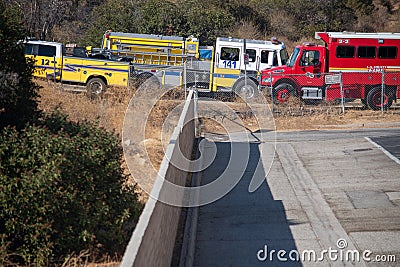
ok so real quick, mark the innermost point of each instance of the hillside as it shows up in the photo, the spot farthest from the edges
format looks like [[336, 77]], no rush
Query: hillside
[[84, 21]]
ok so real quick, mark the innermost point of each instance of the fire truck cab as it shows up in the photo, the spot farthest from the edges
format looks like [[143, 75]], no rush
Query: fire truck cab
[[360, 58], [237, 58]]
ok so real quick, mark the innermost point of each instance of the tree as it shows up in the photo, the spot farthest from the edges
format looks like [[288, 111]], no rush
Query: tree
[[206, 22], [246, 12], [115, 15], [361, 7], [162, 17], [40, 16], [17, 91]]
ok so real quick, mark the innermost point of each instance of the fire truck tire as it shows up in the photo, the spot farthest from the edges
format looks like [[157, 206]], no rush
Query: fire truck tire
[[248, 91], [374, 99], [283, 92], [95, 87]]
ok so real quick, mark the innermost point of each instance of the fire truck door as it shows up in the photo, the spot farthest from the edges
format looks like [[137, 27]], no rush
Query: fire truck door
[[268, 59], [227, 65], [310, 65], [47, 64], [228, 58]]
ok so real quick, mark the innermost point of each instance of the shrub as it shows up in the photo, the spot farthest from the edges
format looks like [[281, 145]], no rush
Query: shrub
[[62, 191]]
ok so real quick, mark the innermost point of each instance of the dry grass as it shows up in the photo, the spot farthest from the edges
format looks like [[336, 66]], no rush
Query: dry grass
[[108, 111], [326, 119], [84, 259], [331, 116]]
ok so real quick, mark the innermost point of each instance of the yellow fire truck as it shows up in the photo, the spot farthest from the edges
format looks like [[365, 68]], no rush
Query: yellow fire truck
[[151, 49], [52, 62], [232, 64]]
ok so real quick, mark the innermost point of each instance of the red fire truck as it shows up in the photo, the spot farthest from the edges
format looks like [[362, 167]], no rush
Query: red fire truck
[[349, 66]]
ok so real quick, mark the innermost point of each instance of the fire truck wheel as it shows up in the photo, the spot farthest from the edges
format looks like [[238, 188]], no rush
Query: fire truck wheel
[[246, 91], [282, 92], [374, 99], [95, 87]]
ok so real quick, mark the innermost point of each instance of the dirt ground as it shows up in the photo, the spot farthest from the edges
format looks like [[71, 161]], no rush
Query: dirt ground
[[329, 117], [304, 118]]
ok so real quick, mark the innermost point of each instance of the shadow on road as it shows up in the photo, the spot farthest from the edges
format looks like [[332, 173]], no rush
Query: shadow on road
[[242, 228]]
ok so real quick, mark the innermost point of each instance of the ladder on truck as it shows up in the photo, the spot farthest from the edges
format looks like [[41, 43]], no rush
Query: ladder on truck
[[152, 58], [151, 49]]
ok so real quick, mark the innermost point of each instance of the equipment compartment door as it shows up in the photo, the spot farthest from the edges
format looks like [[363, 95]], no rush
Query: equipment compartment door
[[72, 69]]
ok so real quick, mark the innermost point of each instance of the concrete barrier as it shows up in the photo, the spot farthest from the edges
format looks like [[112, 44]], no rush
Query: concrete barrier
[[153, 240]]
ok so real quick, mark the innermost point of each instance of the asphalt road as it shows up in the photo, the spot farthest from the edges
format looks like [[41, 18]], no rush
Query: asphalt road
[[390, 143], [324, 196]]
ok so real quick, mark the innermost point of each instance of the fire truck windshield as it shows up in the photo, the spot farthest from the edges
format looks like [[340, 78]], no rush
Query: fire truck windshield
[[293, 56]]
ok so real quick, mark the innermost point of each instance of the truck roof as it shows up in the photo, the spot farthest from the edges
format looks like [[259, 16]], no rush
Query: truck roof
[[278, 45], [42, 42], [146, 36], [325, 36]]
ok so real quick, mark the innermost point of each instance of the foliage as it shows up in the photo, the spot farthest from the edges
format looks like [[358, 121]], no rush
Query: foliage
[[40, 16], [162, 17], [17, 91], [293, 20], [363, 7], [116, 15], [183, 18], [62, 191], [204, 21]]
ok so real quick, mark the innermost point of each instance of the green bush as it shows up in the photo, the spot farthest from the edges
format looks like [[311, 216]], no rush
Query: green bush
[[62, 191]]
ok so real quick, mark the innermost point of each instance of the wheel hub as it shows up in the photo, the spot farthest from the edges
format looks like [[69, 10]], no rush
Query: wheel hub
[[283, 95], [377, 99], [247, 91]]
